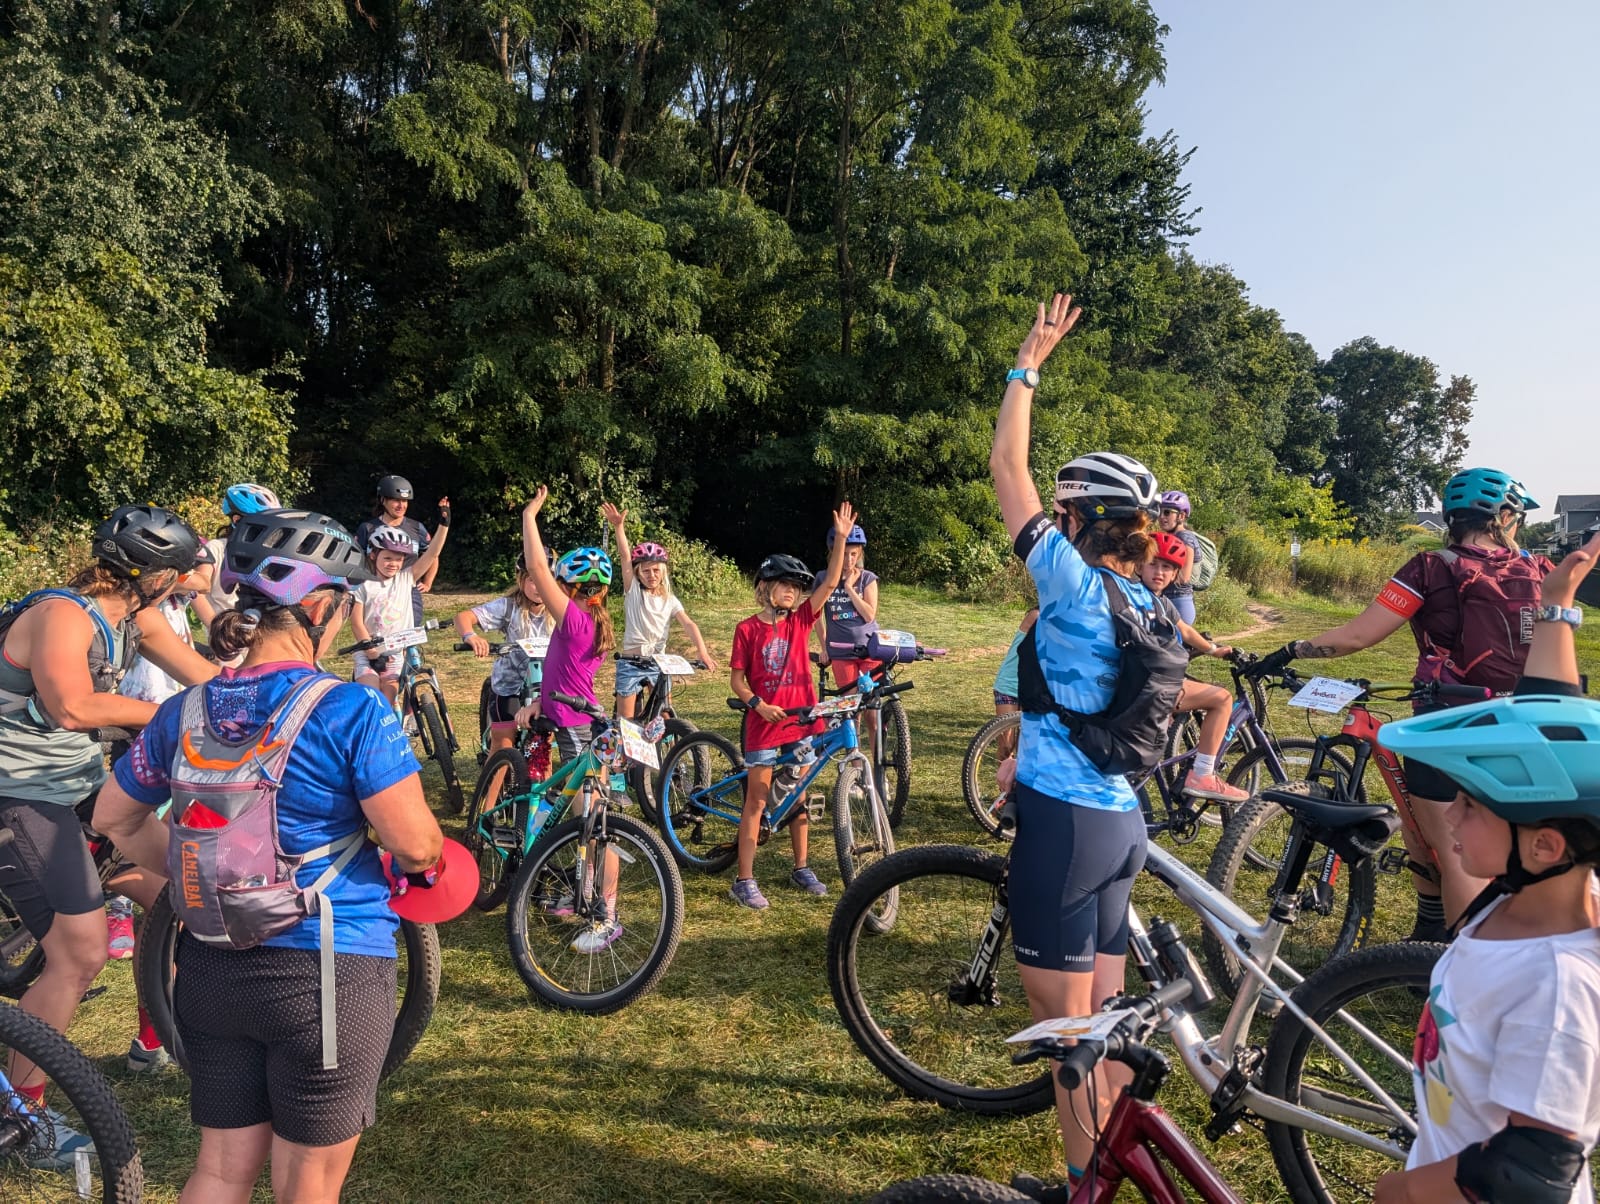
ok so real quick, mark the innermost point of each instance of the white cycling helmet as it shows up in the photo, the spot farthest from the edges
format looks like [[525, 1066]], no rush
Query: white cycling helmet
[[391, 539], [1106, 485]]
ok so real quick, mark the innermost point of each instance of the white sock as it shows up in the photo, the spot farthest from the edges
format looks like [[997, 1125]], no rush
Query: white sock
[[1204, 766]]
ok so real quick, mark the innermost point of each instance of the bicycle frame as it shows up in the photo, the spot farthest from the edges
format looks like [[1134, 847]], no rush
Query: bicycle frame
[[566, 782], [1136, 1137], [840, 742]]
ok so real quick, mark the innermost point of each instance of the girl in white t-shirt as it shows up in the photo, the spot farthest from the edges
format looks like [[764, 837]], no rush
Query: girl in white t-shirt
[[1506, 1066], [383, 607], [521, 614], [648, 605]]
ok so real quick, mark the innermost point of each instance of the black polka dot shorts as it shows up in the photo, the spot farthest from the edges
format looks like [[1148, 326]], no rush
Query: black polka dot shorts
[[251, 1023]]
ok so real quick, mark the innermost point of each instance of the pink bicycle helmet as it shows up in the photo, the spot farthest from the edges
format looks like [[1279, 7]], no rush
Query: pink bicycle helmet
[[649, 553]]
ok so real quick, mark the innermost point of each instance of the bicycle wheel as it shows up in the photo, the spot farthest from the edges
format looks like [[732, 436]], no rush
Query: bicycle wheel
[[642, 780], [504, 777], [862, 836], [555, 900], [21, 957], [486, 698], [1333, 918], [1253, 774], [416, 995], [1384, 990], [894, 772], [905, 995], [437, 741], [949, 1189], [703, 770], [35, 1163], [995, 740]]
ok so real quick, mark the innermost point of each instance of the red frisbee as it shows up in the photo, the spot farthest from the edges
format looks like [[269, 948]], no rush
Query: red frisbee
[[448, 897]]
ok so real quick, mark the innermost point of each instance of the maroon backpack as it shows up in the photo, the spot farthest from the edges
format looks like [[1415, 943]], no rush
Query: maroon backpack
[[1498, 599]]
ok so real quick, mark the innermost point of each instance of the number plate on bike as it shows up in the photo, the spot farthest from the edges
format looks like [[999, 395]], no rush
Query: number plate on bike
[[1326, 694], [837, 706], [1073, 1028], [535, 646], [897, 639], [409, 638], [634, 745], [676, 666]]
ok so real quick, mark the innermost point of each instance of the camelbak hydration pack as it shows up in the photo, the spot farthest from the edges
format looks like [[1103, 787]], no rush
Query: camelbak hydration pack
[[232, 883], [111, 653], [1498, 599]]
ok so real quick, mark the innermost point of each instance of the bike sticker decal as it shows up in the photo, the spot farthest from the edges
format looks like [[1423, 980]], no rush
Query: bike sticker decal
[[674, 665], [634, 745], [535, 646], [1326, 694]]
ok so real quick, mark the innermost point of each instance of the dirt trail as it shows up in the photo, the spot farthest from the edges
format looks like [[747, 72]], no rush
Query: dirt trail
[[1265, 618]]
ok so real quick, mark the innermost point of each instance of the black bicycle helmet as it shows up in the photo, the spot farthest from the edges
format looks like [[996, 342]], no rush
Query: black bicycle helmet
[[549, 559], [395, 487], [144, 539], [285, 554], [782, 567]]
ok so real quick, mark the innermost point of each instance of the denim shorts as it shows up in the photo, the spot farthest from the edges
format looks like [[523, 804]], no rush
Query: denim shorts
[[633, 676], [770, 756]]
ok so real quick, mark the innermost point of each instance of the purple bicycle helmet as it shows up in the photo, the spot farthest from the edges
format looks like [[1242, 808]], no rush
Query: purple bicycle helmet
[[285, 554], [1175, 499]]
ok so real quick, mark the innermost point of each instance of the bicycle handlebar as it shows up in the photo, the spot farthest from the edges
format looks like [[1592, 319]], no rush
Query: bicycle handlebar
[[364, 645], [1078, 1061], [591, 709], [873, 695]]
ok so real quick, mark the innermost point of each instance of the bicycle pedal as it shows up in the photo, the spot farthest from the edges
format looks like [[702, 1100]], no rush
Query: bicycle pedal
[[1392, 861], [504, 837], [816, 806], [764, 835]]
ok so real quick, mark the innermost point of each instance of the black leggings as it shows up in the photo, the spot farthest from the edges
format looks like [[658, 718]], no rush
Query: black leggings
[[1072, 872]]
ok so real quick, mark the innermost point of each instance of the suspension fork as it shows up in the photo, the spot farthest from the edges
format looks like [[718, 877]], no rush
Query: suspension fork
[[976, 984], [1361, 725]]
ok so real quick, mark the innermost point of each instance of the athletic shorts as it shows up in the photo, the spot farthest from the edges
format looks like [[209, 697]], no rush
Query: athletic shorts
[[633, 676], [1424, 781], [503, 709], [846, 672], [1005, 700], [769, 756], [570, 741], [1072, 872], [251, 1022], [47, 869]]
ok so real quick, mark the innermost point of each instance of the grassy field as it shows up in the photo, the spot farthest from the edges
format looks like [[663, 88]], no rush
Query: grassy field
[[734, 1080]]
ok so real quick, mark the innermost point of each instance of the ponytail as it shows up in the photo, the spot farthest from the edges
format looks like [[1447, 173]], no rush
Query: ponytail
[[1122, 539], [234, 631], [605, 633]]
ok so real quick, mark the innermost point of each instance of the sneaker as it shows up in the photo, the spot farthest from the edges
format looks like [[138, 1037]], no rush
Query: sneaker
[[1211, 786], [1038, 1189], [807, 881], [142, 1060], [746, 893], [57, 1148], [596, 937], [119, 933]]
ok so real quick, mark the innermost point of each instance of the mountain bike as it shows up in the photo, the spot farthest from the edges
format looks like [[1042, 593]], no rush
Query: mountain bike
[[1246, 861], [930, 1001], [655, 702], [887, 731], [77, 1096], [421, 699], [1139, 1143], [703, 786], [420, 967], [595, 907], [534, 648]]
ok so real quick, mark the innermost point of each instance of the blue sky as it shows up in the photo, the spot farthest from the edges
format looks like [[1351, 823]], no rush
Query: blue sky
[[1426, 173]]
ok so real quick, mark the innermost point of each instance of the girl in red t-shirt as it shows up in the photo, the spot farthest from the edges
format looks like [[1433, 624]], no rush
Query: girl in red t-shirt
[[771, 672]]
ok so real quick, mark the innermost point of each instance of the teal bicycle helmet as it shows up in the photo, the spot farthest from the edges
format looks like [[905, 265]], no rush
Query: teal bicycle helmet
[[1482, 491], [1529, 758], [584, 566]]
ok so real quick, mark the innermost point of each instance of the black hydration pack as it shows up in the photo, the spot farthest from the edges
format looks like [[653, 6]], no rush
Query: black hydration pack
[[1130, 734]]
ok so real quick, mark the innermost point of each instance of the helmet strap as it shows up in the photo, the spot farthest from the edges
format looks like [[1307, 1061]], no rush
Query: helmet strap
[[1517, 876]]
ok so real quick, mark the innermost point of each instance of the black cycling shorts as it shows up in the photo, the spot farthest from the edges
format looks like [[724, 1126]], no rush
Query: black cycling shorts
[[1072, 872], [47, 869], [1424, 781], [503, 708], [251, 1023]]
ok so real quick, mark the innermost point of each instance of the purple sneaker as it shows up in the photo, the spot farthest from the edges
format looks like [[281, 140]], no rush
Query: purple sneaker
[[807, 881], [746, 893]]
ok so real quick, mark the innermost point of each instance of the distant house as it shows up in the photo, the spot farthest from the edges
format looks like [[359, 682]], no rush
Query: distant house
[[1430, 520], [1576, 512]]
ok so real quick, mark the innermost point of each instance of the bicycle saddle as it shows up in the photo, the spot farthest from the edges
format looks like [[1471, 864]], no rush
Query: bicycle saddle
[[1352, 830], [543, 727]]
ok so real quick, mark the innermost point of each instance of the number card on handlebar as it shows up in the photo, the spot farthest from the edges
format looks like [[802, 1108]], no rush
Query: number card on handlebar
[[535, 646], [634, 745], [675, 666], [1326, 694], [1074, 1028], [837, 706], [398, 641], [897, 639]]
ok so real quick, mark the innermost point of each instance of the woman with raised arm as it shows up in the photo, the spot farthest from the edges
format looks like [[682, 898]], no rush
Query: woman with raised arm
[[1080, 836]]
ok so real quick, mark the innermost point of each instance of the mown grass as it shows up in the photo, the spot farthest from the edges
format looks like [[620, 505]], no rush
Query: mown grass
[[735, 1079]]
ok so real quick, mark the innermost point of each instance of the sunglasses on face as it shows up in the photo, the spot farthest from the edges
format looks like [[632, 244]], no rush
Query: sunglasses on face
[[1166, 510]]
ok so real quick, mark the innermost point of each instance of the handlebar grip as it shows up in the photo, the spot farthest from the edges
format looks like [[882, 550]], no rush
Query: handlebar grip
[[110, 735], [1080, 1061], [578, 704], [897, 688], [1476, 693], [461, 646], [363, 646]]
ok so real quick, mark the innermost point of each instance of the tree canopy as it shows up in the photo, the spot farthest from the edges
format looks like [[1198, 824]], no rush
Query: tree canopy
[[723, 260]]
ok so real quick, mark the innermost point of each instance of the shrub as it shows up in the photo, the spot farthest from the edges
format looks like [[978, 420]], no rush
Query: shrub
[[699, 574], [45, 556], [1350, 571], [1222, 608], [1255, 559]]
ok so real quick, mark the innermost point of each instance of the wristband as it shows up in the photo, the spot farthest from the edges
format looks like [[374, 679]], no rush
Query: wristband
[[752, 702], [424, 879]]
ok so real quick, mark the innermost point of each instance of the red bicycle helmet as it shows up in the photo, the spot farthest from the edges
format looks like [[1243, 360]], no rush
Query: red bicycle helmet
[[1170, 548]]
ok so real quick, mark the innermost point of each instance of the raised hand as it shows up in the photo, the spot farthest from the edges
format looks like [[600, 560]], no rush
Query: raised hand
[[1561, 586], [1049, 328], [536, 502], [612, 515], [844, 519]]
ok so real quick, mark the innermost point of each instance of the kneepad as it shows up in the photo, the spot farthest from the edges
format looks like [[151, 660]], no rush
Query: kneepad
[[1520, 1164]]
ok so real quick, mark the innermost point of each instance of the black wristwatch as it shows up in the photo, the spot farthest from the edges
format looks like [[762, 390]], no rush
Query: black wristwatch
[[752, 703]]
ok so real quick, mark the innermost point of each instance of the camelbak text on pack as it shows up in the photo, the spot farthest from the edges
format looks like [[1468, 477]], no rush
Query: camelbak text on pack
[[1498, 598], [232, 883], [1206, 562], [1130, 734]]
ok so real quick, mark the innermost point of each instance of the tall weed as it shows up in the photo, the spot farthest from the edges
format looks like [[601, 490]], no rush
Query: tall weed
[[1349, 571], [44, 556], [1256, 559]]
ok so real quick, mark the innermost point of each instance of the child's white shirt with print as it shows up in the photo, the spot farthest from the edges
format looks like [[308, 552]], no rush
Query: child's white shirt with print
[[1509, 1026], [386, 605]]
